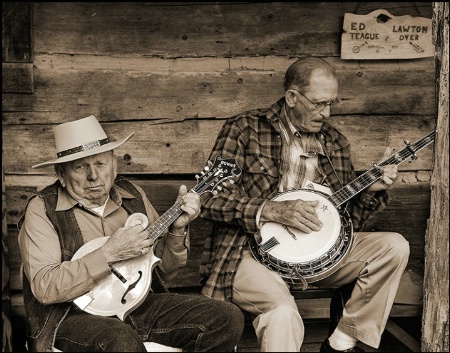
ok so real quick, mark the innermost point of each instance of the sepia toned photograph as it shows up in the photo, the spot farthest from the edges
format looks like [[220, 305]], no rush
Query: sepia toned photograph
[[225, 176]]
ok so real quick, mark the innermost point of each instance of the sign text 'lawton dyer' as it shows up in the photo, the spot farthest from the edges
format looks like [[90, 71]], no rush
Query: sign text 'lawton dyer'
[[380, 35]]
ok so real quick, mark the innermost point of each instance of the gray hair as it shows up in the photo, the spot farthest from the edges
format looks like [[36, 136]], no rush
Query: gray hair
[[300, 72]]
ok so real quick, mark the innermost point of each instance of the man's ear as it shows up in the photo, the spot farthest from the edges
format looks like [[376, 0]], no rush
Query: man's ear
[[59, 170], [114, 160], [290, 98]]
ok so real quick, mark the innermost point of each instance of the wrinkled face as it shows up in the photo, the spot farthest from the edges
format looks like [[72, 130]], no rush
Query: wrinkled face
[[309, 107], [89, 180]]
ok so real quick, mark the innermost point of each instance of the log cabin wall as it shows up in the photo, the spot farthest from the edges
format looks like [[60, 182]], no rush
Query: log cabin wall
[[172, 72]]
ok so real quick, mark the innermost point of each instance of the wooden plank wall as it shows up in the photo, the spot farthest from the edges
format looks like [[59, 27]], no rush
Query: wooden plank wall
[[172, 72]]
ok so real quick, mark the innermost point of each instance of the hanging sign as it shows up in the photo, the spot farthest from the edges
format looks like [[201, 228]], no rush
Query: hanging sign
[[380, 35]]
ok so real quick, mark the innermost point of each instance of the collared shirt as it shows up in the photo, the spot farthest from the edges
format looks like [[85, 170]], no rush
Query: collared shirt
[[299, 156], [254, 140], [53, 281]]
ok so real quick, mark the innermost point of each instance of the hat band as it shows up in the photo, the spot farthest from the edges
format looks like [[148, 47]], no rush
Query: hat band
[[85, 147]]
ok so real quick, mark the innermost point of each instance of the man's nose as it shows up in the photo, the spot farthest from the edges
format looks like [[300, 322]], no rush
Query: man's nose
[[326, 112], [92, 173]]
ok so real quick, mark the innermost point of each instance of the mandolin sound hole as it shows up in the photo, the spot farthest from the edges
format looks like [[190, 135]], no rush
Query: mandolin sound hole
[[130, 287]]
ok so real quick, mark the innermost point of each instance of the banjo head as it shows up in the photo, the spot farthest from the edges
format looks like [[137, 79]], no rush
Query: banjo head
[[295, 245]]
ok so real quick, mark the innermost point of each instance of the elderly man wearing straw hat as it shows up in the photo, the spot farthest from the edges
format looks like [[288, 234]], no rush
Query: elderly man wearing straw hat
[[91, 204]]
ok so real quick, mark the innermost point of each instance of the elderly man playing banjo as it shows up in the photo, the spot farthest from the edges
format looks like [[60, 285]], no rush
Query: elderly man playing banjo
[[87, 248], [274, 228]]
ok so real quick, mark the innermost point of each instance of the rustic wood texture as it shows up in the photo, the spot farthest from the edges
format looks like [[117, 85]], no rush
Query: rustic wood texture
[[435, 328], [17, 78], [121, 89], [184, 147], [100, 61], [6, 283], [17, 43], [196, 29]]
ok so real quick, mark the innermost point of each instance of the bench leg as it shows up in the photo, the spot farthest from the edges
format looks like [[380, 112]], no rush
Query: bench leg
[[402, 336], [337, 303]]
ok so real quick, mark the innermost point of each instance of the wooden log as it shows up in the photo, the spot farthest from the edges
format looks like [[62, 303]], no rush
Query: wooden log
[[215, 29], [184, 147], [68, 88]]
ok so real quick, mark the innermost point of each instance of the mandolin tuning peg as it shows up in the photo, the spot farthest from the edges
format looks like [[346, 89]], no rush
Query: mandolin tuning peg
[[407, 142], [197, 176], [219, 188], [231, 181], [214, 192], [206, 168]]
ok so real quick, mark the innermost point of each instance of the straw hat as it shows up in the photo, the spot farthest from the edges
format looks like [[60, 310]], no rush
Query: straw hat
[[80, 138]]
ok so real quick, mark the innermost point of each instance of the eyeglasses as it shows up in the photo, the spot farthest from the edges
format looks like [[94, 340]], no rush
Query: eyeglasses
[[319, 105]]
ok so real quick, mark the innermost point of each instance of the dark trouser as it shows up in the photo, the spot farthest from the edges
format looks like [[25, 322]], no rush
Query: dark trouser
[[193, 323]]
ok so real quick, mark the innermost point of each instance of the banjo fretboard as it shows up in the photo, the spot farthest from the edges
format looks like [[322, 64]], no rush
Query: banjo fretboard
[[364, 180]]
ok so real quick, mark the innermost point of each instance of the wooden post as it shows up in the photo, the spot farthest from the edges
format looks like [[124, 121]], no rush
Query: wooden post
[[17, 77], [435, 320], [6, 299]]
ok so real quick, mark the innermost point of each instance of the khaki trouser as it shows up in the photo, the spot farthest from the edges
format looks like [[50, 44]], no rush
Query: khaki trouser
[[377, 260]]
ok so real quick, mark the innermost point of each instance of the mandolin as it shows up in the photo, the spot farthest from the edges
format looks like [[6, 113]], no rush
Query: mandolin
[[127, 286]]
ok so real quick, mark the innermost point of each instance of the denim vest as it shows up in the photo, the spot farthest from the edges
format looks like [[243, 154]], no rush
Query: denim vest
[[42, 321]]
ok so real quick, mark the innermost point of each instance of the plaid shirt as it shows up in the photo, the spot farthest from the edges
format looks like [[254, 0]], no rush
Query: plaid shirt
[[254, 140], [299, 156]]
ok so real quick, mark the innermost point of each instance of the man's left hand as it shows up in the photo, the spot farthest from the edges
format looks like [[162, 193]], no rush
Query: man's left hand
[[389, 174], [190, 207]]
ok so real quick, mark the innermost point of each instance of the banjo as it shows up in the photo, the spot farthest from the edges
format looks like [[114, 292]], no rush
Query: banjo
[[122, 291], [301, 258]]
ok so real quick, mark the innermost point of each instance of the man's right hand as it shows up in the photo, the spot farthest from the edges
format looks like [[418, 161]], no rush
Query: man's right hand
[[127, 243], [295, 213]]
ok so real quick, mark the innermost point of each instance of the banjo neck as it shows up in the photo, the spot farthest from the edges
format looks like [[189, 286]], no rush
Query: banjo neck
[[371, 176]]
